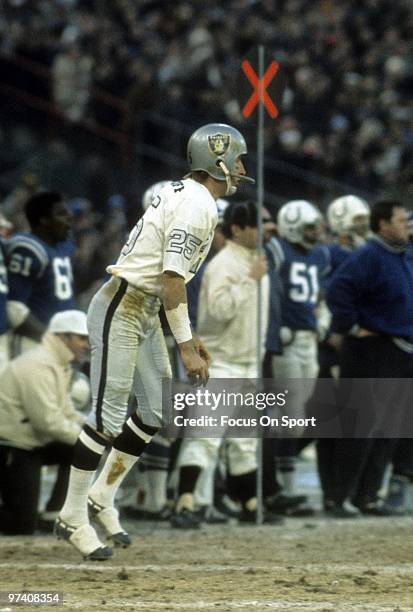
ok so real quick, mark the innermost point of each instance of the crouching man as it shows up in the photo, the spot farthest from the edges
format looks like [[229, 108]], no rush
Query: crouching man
[[38, 423]]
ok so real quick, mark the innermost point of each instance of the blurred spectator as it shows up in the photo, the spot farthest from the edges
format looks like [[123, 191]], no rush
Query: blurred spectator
[[178, 62], [13, 205], [360, 56], [72, 74]]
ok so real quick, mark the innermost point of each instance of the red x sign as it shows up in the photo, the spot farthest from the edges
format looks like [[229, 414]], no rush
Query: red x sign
[[260, 88]]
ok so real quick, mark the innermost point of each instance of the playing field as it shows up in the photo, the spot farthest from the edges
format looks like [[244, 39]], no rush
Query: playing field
[[315, 564]]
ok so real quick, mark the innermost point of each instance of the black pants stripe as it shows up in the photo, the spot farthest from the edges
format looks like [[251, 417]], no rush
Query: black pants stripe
[[104, 364]]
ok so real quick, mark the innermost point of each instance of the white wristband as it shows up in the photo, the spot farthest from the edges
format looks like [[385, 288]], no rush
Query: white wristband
[[179, 323]]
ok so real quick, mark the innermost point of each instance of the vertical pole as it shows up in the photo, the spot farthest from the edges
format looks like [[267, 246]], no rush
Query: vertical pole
[[260, 249]]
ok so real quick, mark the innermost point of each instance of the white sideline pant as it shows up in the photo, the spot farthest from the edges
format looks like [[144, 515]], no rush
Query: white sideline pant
[[203, 452], [128, 353], [299, 361]]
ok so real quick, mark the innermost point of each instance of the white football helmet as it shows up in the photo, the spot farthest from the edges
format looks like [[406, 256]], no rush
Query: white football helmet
[[293, 219], [151, 193], [342, 212]]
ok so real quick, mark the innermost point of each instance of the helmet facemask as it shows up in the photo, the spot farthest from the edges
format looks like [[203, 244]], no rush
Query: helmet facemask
[[359, 230], [311, 234]]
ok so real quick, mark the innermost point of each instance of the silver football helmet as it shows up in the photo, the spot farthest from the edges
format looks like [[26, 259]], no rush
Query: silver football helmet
[[349, 216], [215, 148], [293, 220]]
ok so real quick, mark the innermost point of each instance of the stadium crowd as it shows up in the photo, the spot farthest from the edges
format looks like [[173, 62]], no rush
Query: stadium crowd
[[347, 109], [347, 114]]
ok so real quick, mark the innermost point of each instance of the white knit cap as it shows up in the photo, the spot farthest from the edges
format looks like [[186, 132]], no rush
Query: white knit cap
[[69, 322]]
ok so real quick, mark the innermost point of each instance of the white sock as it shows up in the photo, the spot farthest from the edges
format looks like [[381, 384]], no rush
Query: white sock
[[74, 511], [204, 489], [156, 498], [116, 467], [286, 470], [288, 480]]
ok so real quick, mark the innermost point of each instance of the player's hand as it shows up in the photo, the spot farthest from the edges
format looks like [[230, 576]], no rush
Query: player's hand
[[365, 333], [201, 349], [335, 341], [196, 367], [259, 267]]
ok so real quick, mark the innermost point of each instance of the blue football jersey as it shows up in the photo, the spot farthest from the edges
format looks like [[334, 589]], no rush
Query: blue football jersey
[[300, 273], [3, 290], [40, 276], [337, 254], [273, 342], [193, 289]]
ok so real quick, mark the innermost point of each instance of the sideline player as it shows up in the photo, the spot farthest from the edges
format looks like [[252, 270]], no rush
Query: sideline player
[[348, 218], [163, 252], [300, 263], [40, 269]]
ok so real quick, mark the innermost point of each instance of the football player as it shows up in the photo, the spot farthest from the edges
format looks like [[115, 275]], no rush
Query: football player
[[152, 476], [348, 218], [349, 221], [40, 269], [301, 263], [163, 252]]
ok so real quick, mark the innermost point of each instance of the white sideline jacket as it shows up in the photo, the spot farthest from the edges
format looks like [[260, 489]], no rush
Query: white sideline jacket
[[35, 406], [227, 308]]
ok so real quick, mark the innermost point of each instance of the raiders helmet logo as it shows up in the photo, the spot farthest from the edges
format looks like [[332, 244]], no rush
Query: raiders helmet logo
[[219, 143]]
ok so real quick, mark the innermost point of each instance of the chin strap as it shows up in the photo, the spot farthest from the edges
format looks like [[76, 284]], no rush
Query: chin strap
[[231, 189]]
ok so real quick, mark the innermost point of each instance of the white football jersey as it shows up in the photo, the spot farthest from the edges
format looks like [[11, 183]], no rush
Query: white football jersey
[[175, 234]]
